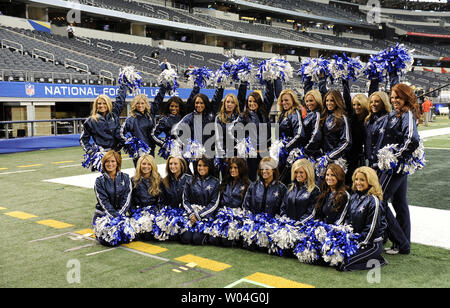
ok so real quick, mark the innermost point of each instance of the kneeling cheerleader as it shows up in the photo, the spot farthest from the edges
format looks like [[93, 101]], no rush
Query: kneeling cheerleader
[[366, 218]]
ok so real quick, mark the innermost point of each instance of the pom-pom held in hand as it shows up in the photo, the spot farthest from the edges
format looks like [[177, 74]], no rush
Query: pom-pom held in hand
[[346, 68], [130, 78], [273, 69], [93, 159], [169, 79], [202, 77], [245, 149], [314, 68], [135, 147]]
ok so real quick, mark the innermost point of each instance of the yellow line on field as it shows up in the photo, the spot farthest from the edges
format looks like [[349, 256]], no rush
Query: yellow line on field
[[2, 208], [275, 281], [27, 166], [20, 215], [204, 263], [62, 162], [3, 168], [144, 247], [54, 224]]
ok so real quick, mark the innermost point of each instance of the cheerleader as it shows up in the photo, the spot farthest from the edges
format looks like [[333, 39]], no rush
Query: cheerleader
[[146, 183], [112, 190], [311, 124], [141, 121], [171, 114], [290, 125], [336, 140], [192, 126], [200, 200], [232, 191], [401, 130], [365, 216], [174, 183], [374, 125], [301, 197], [235, 183], [358, 110], [256, 115], [332, 204], [229, 112], [266, 194], [103, 125]]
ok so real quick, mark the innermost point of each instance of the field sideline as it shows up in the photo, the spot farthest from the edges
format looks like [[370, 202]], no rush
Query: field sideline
[[45, 231]]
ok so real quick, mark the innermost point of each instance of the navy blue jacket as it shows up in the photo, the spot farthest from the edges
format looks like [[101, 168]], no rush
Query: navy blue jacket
[[298, 203], [365, 216], [291, 128], [140, 196], [141, 125], [326, 213], [262, 199], [403, 132], [313, 134], [374, 130], [233, 195], [206, 118], [106, 131], [201, 197], [173, 195], [336, 141], [113, 196]]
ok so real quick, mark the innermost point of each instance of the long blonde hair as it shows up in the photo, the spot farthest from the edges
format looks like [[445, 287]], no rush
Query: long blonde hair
[[317, 97], [384, 98], [372, 179], [310, 174], [295, 102], [135, 100], [94, 112], [364, 101], [155, 177], [222, 115]]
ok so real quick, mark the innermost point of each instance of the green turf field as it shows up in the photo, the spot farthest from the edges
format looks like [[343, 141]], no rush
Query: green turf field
[[48, 262]]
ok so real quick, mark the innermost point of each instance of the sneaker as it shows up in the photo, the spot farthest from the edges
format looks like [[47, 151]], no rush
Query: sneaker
[[392, 251]]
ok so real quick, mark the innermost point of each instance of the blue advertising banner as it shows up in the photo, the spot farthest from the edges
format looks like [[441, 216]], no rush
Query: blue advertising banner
[[73, 91]]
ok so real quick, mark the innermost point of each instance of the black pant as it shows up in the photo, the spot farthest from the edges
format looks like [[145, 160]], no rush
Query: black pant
[[361, 260]]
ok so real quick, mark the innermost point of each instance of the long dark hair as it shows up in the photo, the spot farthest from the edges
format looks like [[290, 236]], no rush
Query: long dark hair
[[206, 101], [339, 112], [341, 189], [261, 108], [243, 174], [209, 162], [165, 107], [184, 169]]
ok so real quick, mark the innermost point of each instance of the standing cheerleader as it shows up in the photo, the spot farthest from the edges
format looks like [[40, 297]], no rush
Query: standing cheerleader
[[358, 110], [366, 218], [336, 140], [401, 131], [141, 121], [200, 200], [311, 124], [256, 115], [146, 183], [174, 183], [103, 125], [301, 197], [375, 124], [192, 126], [290, 127], [266, 194], [171, 114], [332, 203], [112, 190], [228, 112]]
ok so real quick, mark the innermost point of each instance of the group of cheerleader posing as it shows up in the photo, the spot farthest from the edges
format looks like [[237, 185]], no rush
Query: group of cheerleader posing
[[333, 127]]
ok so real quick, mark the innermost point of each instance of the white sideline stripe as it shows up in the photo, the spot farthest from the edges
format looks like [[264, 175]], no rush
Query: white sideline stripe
[[13, 172], [434, 132], [88, 180], [248, 281]]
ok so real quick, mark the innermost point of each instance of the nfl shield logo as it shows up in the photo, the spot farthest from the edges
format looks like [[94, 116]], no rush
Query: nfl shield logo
[[29, 89]]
